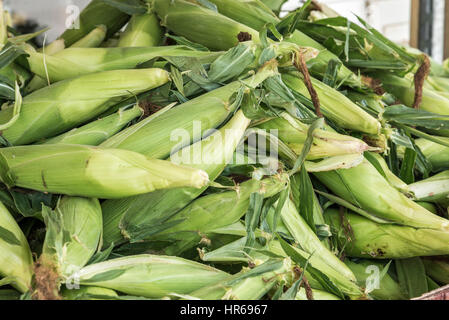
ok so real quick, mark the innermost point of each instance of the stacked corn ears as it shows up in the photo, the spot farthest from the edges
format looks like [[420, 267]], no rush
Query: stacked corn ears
[[243, 156]]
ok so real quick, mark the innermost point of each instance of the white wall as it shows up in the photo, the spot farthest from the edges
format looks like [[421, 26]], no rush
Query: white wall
[[51, 13], [391, 17]]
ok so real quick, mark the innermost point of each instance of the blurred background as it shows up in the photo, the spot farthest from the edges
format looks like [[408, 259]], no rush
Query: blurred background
[[419, 23]]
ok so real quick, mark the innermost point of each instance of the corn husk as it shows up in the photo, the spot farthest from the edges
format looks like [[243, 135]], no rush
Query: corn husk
[[234, 253], [208, 111], [15, 256], [390, 176], [438, 269], [370, 101], [366, 188], [436, 154], [177, 16], [96, 13], [295, 189], [335, 105], [325, 143], [428, 206], [64, 105], [309, 241], [438, 84], [385, 241], [73, 234], [142, 31], [92, 172], [403, 89], [74, 62], [89, 293], [219, 210], [319, 295], [54, 47], [127, 218], [241, 287], [9, 294], [387, 289], [256, 15], [149, 276], [91, 40], [274, 5], [433, 189], [98, 131]]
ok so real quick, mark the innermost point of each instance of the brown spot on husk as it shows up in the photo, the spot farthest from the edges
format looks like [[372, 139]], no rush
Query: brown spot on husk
[[374, 84], [46, 281], [244, 36], [347, 229], [420, 77], [43, 180], [148, 108]]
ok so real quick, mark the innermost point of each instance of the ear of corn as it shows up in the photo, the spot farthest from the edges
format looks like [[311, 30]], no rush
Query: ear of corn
[[371, 102], [390, 176], [239, 287], [385, 241], [428, 206], [366, 188], [436, 154], [15, 255], [403, 89], [295, 189], [142, 31], [89, 293], [309, 241], [234, 252], [335, 105], [149, 275], [96, 13], [54, 47], [92, 172], [438, 269], [252, 13], [64, 105], [219, 210], [74, 62], [73, 233], [325, 143], [121, 216], [319, 295], [92, 39], [40, 80], [433, 189], [209, 110], [97, 131], [177, 16], [387, 289], [256, 15]]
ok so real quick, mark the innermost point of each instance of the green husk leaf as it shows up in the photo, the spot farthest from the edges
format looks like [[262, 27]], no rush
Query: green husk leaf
[[412, 276], [9, 237], [128, 6], [106, 276], [306, 205], [252, 218]]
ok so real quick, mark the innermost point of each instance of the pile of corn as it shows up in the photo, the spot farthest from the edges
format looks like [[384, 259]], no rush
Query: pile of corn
[[209, 149]]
